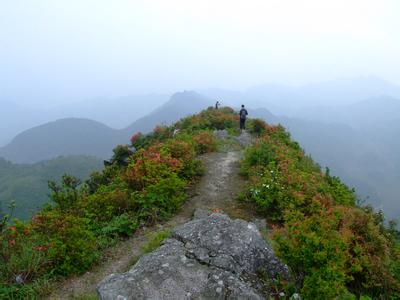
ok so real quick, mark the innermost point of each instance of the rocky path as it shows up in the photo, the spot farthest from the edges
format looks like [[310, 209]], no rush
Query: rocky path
[[215, 191]]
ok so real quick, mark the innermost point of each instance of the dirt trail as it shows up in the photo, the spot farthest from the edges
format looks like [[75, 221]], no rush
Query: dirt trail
[[216, 190]]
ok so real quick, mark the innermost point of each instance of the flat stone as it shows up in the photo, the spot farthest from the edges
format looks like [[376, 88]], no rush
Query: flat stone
[[175, 271]]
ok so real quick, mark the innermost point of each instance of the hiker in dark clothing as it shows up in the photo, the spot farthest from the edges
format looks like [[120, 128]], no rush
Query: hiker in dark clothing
[[242, 114], [217, 105]]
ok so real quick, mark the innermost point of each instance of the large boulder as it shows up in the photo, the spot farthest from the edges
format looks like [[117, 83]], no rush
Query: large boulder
[[210, 257]]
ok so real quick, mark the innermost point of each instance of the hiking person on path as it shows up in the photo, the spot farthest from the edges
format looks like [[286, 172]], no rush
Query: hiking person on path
[[217, 105], [242, 114]]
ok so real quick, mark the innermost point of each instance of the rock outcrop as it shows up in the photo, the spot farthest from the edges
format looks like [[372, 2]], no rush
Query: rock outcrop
[[244, 138], [210, 257]]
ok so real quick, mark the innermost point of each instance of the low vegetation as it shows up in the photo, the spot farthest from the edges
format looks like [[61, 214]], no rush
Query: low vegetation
[[143, 183], [335, 248], [154, 240]]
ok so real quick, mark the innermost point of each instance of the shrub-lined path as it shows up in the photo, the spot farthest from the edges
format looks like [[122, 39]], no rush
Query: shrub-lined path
[[216, 190]]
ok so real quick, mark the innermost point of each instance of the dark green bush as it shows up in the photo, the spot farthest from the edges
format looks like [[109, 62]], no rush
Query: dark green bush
[[122, 225], [260, 154], [72, 247], [160, 200], [65, 194], [257, 126]]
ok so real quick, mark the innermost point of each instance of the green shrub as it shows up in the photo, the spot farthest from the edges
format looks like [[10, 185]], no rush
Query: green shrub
[[259, 154], [109, 201], [211, 119], [257, 127], [65, 194], [105, 177], [311, 247], [339, 191], [154, 240], [205, 142], [121, 155], [160, 200], [72, 247], [122, 225], [270, 193], [32, 290], [23, 255], [183, 148]]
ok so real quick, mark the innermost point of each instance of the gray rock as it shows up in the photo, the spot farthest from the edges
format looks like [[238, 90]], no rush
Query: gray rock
[[211, 257], [200, 213], [244, 138], [221, 134], [295, 296], [261, 224], [19, 279]]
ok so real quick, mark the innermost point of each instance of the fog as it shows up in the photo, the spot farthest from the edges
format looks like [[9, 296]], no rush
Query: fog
[[55, 52]]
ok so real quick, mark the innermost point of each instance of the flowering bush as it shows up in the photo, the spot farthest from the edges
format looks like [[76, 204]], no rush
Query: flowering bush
[[135, 138], [211, 119], [24, 255], [185, 151], [148, 167], [257, 126], [161, 199], [109, 201], [72, 247], [205, 142], [333, 247]]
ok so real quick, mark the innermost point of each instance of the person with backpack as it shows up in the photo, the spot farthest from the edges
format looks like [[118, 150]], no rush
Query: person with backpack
[[243, 114]]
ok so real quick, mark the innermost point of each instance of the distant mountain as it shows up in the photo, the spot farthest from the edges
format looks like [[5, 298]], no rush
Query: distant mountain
[[27, 184], [62, 137], [297, 101], [116, 113], [366, 113], [180, 105], [347, 90], [264, 114], [75, 136], [14, 119]]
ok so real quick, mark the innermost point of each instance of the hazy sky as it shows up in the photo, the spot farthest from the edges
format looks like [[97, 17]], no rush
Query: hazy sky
[[67, 50]]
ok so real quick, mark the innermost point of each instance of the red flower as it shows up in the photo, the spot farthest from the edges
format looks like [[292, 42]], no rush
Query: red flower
[[40, 248], [34, 219], [11, 243], [135, 138]]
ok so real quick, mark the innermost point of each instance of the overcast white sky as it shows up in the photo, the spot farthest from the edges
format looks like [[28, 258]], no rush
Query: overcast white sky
[[67, 50]]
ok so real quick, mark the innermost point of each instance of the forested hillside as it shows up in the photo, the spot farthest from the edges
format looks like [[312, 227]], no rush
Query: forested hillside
[[27, 184]]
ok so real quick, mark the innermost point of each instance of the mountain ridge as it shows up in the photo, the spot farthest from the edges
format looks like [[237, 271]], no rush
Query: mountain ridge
[[332, 245]]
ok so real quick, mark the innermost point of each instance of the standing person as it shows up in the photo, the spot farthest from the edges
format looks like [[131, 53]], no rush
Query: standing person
[[243, 114], [217, 105]]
